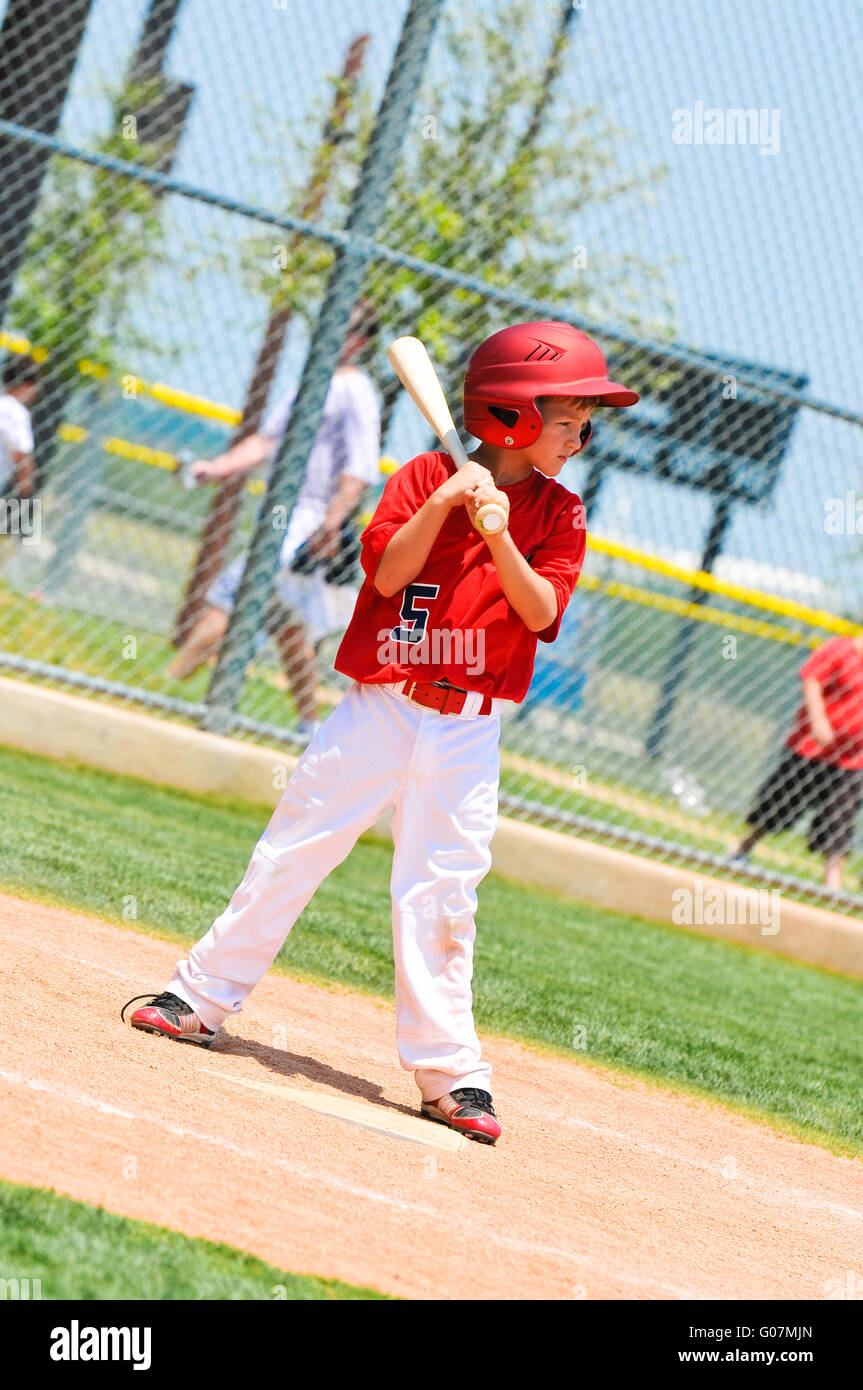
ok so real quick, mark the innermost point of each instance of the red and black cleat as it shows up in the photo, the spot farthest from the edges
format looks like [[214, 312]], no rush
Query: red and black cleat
[[467, 1110], [171, 1017]]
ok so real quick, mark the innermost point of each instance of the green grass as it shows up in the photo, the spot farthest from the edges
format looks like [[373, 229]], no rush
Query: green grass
[[80, 1252], [95, 646], [744, 1027]]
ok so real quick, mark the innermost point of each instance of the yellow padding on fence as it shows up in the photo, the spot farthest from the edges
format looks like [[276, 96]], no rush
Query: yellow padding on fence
[[168, 395], [755, 598], [140, 453], [735, 622], [124, 448], [193, 405]]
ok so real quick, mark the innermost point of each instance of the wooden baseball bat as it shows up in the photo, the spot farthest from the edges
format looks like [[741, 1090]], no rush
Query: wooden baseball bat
[[415, 370]]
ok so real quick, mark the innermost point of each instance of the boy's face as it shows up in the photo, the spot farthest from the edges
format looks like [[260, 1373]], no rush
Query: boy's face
[[354, 343], [562, 422]]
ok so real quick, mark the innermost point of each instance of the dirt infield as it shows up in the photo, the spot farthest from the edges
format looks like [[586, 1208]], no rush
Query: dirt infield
[[602, 1187]]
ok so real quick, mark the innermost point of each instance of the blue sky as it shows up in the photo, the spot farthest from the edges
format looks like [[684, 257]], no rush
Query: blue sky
[[761, 250]]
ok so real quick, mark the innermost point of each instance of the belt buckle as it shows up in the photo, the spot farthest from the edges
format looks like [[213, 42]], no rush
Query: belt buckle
[[450, 691]]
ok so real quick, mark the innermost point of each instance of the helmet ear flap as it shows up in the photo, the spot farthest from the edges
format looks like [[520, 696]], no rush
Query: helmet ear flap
[[585, 433], [508, 424]]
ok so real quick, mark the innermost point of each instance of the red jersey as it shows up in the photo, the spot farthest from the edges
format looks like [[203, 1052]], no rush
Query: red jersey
[[453, 621], [838, 669]]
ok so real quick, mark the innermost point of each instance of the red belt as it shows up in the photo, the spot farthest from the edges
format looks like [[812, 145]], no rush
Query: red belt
[[446, 699]]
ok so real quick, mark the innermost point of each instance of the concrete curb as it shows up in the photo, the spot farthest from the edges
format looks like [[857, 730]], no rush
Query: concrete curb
[[57, 725]]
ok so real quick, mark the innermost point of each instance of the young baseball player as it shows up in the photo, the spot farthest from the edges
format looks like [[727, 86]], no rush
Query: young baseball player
[[443, 635], [822, 768]]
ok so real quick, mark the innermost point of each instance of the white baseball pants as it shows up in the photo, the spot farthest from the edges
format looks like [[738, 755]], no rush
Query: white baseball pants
[[440, 772]]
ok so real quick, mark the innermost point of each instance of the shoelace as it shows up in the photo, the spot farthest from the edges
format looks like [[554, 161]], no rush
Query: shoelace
[[166, 1000], [469, 1095]]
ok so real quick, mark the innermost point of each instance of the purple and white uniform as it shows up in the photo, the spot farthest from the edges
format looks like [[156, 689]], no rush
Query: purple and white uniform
[[347, 442]]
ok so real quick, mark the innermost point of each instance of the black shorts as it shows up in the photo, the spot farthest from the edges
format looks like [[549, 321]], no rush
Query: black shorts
[[833, 795]]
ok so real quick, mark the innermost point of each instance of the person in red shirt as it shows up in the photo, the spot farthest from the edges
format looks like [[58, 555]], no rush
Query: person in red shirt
[[822, 769], [443, 635]]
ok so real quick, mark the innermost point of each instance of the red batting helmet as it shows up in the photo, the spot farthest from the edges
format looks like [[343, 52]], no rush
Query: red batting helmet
[[513, 367]]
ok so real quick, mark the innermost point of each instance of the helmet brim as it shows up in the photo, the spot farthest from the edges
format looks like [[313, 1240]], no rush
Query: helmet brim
[[599, 387]]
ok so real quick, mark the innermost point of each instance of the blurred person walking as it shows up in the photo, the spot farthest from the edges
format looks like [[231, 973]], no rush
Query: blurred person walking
[[319, 550], [822, 768]]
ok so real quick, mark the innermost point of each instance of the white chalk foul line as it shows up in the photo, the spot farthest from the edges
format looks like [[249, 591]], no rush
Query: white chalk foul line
[[776, 1194], [34, 944], [318, 1177]]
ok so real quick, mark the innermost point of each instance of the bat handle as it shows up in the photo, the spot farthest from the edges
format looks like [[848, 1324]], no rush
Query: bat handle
[[491, 518]]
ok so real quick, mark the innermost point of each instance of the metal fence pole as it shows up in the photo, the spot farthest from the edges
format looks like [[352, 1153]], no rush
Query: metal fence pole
[[343, 287], [36, 68], [161, 119]]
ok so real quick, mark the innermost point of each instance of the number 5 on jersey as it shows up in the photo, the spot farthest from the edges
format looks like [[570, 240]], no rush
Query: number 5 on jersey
[[414, 620]]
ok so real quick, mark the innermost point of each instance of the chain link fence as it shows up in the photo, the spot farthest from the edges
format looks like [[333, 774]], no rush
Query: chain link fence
[[214, 226]]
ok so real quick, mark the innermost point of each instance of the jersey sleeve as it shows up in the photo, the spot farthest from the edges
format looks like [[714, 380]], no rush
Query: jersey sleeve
[[823, 661], [404, 494], [16, 431], [559, 560], [361, 430]]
